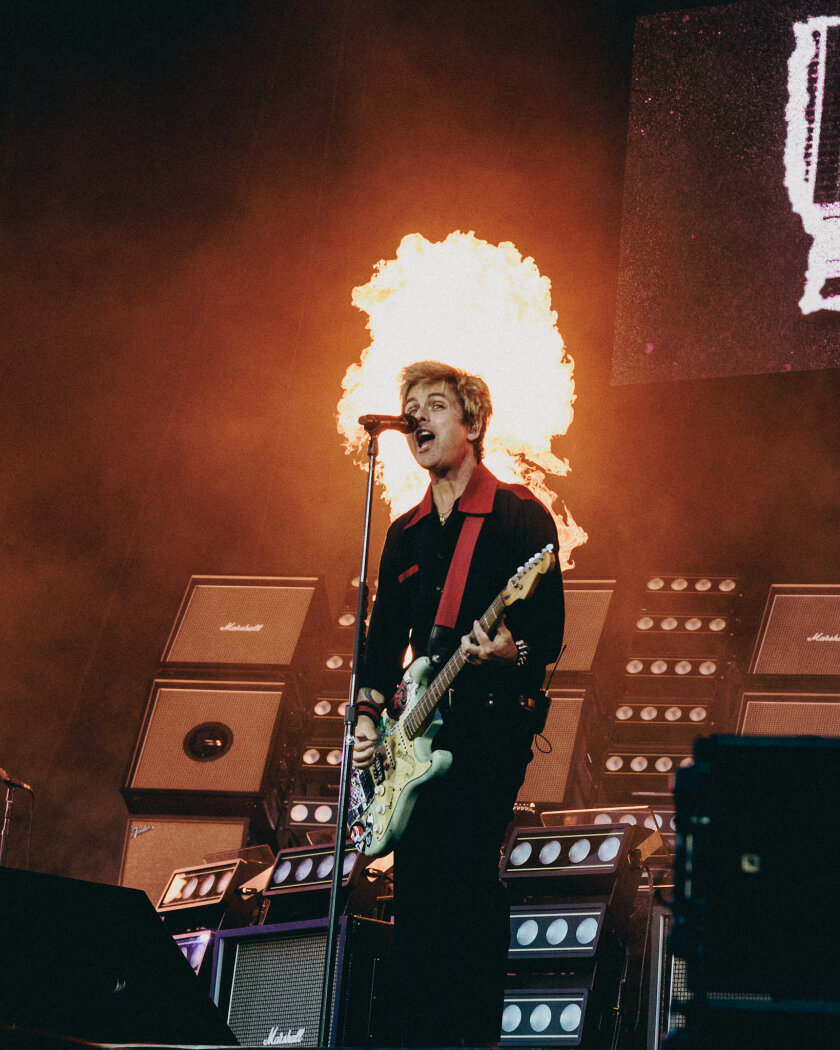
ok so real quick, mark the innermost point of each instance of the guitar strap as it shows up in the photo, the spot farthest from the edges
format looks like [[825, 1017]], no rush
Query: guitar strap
[[459, 567]]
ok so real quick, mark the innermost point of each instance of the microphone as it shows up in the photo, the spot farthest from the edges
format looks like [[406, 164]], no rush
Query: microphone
[[376, 424], [12, 782]]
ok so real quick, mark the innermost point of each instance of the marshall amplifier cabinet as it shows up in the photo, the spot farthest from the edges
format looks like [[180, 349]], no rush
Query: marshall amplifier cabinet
[[248, 624], [798, 713], [207, 747], [267, 983], [800, 631]]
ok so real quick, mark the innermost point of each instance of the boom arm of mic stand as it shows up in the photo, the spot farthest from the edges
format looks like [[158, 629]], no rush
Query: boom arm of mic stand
[[350, 717]]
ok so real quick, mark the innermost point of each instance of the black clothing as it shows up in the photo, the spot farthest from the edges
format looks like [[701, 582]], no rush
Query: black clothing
[[451, 911], [412, 573]]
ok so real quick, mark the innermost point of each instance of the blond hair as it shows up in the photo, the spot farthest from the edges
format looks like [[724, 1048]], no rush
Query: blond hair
[[472, 392]]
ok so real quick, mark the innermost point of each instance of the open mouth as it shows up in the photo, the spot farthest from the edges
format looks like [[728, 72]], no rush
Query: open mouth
[[423, 437]]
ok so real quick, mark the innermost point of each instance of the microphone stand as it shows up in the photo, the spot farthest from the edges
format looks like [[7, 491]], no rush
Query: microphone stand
[[373, 427]]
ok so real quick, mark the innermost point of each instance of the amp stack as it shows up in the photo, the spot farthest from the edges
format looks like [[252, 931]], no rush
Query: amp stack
[[672, 688], [313, 801], [559, 773], [793, 687], [211, 764]]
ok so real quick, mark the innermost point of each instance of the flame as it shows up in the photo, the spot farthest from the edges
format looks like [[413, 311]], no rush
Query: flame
[[483, 308]]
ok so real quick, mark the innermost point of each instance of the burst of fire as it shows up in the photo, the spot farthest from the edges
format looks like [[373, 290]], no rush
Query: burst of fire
[[482, 308]]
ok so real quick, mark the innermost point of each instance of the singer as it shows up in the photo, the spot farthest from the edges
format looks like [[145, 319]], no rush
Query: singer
[[451, 912]]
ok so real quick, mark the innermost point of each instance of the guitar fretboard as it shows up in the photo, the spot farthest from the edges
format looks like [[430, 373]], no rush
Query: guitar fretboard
[[418, 716]]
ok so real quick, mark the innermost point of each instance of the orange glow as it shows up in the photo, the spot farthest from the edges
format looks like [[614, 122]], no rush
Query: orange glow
[[482, 308]]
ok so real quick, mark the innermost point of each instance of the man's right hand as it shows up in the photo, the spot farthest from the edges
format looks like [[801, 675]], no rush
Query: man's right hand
[[365, 736]]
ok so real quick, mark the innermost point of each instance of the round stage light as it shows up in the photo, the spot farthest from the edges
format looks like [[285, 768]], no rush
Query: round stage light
[[550, 852], [540, 1017], [580, 850], [557, 932], [304, 869], [608, 850], [520, 854], [663, 764], [614, 763], [527, 933], [587, 931], [511, 1018], [570, 1018], [639, 764]]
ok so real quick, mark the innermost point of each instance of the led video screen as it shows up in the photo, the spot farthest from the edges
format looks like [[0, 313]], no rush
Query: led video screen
[[730, 235]]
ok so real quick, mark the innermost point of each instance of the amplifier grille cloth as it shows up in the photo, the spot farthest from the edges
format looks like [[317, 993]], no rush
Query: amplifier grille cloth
[[251, 716], [791, 717], [277, 982], [799, 637], [202, 638], [547, 775], [585, 615]]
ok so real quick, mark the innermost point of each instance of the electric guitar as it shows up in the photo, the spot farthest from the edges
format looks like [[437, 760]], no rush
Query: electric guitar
[[382, 796]]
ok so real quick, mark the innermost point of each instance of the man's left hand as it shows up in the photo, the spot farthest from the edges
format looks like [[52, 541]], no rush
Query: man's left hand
[[479, 648]]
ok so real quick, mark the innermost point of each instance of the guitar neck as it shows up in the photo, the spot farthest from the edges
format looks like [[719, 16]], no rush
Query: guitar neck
[[418, 716]]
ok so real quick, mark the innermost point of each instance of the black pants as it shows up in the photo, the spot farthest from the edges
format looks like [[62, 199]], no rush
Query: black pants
[[451, 911]]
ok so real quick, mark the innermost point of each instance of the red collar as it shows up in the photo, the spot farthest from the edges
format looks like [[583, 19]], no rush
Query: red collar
[[477, 497]]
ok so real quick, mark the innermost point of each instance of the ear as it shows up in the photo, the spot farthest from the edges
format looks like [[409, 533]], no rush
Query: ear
[[474, 432]]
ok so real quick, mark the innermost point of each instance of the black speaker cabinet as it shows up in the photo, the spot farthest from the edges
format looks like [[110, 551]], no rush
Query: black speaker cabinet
[[94, 962], [206, 747], [267, 983]]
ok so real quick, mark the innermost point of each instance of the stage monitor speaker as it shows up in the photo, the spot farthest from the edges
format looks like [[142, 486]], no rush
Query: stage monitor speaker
[[267, 983], [754, 819], [206, 747], [789, 714], [587, 604], [248, 623], [555, 775], [94, 962], [799, 632], [155, 846]]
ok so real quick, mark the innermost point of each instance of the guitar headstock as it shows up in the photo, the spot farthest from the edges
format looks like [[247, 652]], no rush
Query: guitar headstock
[[525, 579]]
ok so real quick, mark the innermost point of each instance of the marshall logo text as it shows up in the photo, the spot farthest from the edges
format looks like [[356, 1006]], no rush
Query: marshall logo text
[[277, 1038], [242, 627], [820, 637]]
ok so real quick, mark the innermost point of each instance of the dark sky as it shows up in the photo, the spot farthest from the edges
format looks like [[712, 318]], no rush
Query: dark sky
[[189, 192]]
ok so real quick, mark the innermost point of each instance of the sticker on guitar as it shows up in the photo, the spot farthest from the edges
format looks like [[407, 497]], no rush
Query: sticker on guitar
[[382, 796]]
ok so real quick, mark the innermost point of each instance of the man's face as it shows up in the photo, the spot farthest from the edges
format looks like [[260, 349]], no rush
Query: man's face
[[442, 439]]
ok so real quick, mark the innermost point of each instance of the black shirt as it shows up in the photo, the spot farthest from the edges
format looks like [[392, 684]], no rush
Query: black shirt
[[413, 570]]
